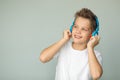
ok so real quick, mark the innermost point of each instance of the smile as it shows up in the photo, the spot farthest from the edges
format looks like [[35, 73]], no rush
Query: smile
[[77, 36]]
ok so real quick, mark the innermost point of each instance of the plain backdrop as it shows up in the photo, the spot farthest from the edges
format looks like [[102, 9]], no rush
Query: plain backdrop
[[29, 26]]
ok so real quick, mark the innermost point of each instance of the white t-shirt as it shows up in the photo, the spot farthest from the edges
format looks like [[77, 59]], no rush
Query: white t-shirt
[[73, 64]]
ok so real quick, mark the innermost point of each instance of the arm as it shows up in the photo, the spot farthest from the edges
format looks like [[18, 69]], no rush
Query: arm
[[95, 67], [48, 53]]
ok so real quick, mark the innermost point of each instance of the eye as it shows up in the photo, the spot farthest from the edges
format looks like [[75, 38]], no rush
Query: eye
[[75, 26], [84, 29]]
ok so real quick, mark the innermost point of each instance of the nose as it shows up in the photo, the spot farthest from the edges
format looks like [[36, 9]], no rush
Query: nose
[[78, 31]]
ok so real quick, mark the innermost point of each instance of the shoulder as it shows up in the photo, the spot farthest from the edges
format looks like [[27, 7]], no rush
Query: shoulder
[[67, 45], [99, 56], [64, 48], [97, 53]]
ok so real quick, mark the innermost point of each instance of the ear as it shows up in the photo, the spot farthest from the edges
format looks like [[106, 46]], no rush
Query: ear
[[90, 36]]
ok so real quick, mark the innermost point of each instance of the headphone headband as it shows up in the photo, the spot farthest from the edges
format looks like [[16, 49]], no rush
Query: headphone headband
[[97, 27]]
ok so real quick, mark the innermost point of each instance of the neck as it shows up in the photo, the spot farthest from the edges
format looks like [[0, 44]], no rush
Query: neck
[[78, 46]]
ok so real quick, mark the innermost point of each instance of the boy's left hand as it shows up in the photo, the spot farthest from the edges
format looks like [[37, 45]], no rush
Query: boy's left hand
[[94, 40]]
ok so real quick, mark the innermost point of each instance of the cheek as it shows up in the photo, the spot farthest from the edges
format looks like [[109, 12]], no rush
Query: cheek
[[88, 35], [73, 32]]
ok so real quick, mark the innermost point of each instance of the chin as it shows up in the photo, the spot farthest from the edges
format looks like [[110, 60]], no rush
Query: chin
[[79, 41]]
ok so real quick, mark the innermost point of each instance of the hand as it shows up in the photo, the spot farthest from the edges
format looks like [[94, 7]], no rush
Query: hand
[[94, 40], [67, 34]]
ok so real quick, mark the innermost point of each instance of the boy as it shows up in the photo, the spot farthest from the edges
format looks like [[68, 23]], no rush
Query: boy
[[77, 60]]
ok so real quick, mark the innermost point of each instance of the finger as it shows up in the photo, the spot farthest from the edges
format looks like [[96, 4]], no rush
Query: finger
[[68, 31], [70, 34], [92, 37], [98, 37]]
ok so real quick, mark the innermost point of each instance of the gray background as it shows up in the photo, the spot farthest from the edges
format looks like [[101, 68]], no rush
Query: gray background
[[28, 26]]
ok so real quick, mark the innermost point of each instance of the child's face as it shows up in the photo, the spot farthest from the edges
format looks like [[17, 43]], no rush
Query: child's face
[[81, 30]]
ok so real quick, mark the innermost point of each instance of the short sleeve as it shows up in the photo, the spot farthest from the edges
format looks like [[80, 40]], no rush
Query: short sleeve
[[99, 57], [59, 52], [63, 48]]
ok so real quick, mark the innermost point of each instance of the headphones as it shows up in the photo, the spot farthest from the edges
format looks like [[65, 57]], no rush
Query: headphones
[[95, 32]]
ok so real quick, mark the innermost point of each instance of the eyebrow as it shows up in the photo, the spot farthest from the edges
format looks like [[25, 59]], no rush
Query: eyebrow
[[82, 26]]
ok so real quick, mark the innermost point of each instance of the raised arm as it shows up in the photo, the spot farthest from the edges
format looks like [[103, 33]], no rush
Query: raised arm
[[48, 53], [95, 67]]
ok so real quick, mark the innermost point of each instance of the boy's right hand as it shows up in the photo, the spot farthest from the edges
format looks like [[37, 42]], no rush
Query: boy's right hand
[[48, 53], [67, 34]]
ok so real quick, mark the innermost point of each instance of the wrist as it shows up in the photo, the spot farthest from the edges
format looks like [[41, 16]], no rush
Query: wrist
[[90, 48], [64, 40], [90, 51]]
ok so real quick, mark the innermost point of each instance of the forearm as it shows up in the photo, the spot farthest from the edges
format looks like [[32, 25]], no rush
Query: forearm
[[48, 53], [94, 65]]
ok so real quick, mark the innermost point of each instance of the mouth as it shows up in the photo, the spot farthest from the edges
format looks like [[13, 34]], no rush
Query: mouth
[[77, 36]]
